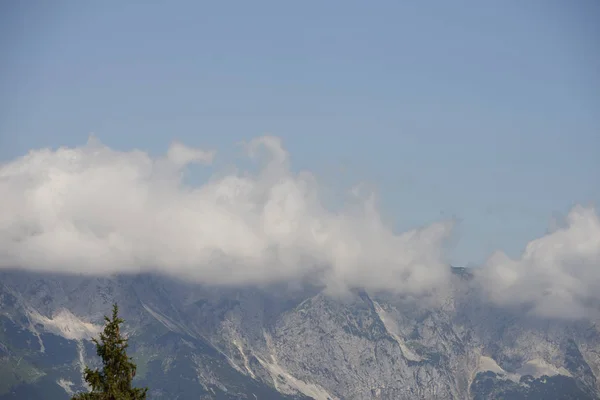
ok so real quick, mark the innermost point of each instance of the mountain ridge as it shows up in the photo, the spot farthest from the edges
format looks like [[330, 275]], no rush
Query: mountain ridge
[[295, 341]]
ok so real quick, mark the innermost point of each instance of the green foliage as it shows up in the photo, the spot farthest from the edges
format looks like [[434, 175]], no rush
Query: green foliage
[[113, 382]]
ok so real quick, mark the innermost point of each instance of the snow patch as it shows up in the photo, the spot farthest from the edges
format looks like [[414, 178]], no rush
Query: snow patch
[[67, 325], [66, 385], [308, 389], [489, 364], [37, 335], [162, 319], [290, 384], [392, 328], [81, 362], [538, 367], [246, 363], [486, 364], [168, 323]]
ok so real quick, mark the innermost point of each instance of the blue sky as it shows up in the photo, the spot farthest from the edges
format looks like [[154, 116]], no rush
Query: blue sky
[[489, 113]]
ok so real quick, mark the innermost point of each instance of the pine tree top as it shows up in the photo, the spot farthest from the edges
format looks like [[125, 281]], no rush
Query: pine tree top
[[114, 380]]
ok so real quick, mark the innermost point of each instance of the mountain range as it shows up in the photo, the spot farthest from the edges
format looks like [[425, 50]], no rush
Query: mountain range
[[290, 341]]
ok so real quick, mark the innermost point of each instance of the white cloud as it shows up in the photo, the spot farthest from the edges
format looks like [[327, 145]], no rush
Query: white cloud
[[558, 275], [96, 210], [180, 155]]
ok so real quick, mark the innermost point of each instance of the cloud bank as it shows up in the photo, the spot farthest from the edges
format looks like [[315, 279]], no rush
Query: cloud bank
[[558, 275], [94, 210]]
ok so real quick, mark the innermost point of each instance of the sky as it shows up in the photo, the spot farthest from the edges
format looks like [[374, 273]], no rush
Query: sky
[[484, 115]]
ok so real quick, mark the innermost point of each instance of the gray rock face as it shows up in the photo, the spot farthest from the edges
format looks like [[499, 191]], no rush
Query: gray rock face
[[281, 341]]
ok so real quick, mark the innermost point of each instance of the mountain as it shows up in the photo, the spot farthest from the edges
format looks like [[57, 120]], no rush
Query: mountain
[[289, 342]]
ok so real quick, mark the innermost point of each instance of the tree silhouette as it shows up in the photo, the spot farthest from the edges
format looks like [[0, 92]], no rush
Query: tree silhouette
[[113, 381]]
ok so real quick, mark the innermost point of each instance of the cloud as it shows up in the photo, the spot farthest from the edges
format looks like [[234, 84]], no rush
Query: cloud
[[181, 155], [94, 210], [558, 275]]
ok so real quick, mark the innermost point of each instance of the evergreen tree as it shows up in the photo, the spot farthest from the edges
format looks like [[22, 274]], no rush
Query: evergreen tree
[[113, 382]]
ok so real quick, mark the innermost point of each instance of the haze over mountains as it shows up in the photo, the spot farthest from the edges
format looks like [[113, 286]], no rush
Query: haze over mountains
[[248, 286], [97, 211]]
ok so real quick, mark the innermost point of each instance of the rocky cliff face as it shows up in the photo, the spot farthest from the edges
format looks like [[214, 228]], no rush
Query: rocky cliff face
[[282, 342]]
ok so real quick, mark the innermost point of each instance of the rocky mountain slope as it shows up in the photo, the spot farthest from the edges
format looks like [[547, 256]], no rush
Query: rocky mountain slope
[[289, 342]]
